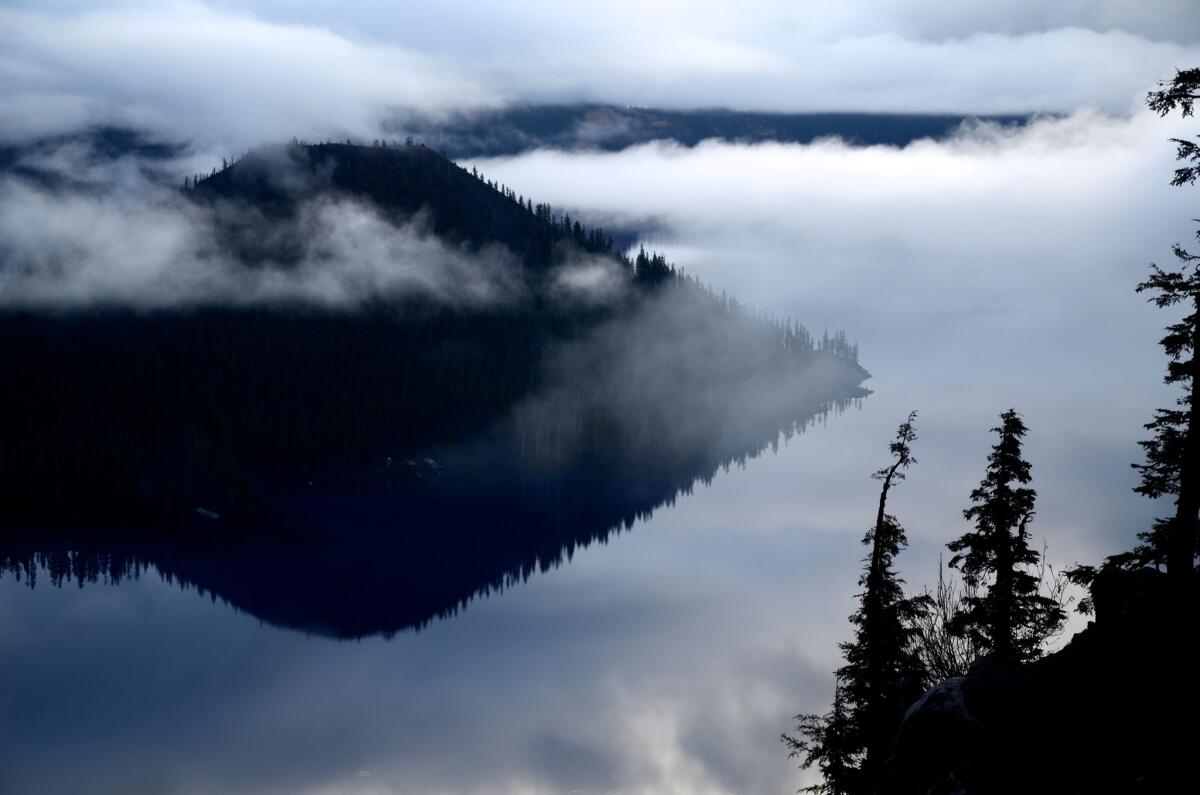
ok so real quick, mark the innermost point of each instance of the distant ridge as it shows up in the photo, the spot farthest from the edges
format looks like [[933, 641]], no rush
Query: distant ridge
[[522, 128]]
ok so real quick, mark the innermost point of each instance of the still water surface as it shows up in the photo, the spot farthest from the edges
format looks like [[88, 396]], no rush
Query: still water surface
[[669, 658], [665, 660]]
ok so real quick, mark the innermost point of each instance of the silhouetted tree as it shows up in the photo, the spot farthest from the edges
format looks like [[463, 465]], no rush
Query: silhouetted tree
[[1012, 619], [881, 669], [1172, 464], [879, 660], [1181, 92], [826, 742], [944, 653]]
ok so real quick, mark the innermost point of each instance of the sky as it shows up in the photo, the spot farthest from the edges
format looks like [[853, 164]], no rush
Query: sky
[[235, 74], [990, 270]]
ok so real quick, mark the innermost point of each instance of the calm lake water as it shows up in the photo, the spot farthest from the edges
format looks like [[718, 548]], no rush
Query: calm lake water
[[670, 658]]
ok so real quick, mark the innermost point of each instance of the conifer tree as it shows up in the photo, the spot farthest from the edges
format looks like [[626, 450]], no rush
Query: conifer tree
[[879, 660], [826, 743], [851, 742], [1011, 618], [1172, 464]]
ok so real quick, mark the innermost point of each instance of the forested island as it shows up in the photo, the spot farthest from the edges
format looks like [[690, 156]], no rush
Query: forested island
[[490, 385]]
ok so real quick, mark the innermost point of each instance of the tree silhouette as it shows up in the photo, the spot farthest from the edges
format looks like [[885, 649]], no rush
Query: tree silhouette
[[1172, 456], [944, 653], [1012, 619], [1172, 464], [825, 742], [1181, 92], [851, 742], [879, 660]]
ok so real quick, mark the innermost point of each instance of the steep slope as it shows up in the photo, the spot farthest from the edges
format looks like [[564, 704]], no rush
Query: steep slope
[[402, 181], [362, 466], [138, 415]]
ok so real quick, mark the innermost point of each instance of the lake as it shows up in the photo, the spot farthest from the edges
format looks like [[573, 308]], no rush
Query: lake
[[669, 657]]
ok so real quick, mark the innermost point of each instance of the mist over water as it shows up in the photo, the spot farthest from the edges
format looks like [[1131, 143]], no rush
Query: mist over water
[[991, 271]]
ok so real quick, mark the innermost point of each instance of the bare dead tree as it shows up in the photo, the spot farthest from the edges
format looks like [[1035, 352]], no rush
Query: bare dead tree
[[944, 654]]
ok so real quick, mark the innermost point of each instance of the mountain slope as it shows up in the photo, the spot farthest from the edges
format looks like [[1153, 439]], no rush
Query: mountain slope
[[137, 415], [364, 466], [402, 181]]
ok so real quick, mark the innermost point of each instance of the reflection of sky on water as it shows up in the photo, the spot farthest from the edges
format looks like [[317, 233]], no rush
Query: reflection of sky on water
[[667, 660], [670, 659]]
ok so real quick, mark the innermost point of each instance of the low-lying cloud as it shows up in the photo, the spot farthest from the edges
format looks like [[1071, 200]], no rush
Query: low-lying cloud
[[677, 382], [198, 71], [77, 248], [993, 270], [234, 75]]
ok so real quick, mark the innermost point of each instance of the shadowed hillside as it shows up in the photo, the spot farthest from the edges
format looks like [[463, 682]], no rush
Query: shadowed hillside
[[396, 386]]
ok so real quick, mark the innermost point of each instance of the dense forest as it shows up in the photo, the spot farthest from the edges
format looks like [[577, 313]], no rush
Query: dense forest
[[218, 414]]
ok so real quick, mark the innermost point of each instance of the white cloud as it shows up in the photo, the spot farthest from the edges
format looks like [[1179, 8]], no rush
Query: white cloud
[[993, 270], [62, 249], [235, 75], [200, 72]]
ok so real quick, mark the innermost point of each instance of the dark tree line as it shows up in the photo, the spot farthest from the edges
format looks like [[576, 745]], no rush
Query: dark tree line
[[521, 128], [124, 416]]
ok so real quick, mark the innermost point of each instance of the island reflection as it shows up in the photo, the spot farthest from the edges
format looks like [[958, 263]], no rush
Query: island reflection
[[393, 549]]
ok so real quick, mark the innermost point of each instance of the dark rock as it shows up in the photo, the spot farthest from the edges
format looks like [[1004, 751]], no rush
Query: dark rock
[[937, 731], [1113, 711], [1116, 590]]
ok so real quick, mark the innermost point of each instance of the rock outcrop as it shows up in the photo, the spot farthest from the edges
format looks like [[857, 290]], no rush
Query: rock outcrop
[[1113, 711]]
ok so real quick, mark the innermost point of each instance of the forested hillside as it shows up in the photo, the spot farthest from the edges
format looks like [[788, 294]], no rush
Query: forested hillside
[[527, 333]]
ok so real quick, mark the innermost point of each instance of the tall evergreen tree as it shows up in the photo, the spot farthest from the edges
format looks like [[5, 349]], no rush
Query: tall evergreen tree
[[851, 742], [1011, 618], [879, 660], [1172, 465], [1181, 92]]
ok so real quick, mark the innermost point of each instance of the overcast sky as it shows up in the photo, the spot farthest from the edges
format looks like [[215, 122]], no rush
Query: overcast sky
[[236, 73], [991, 270]]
